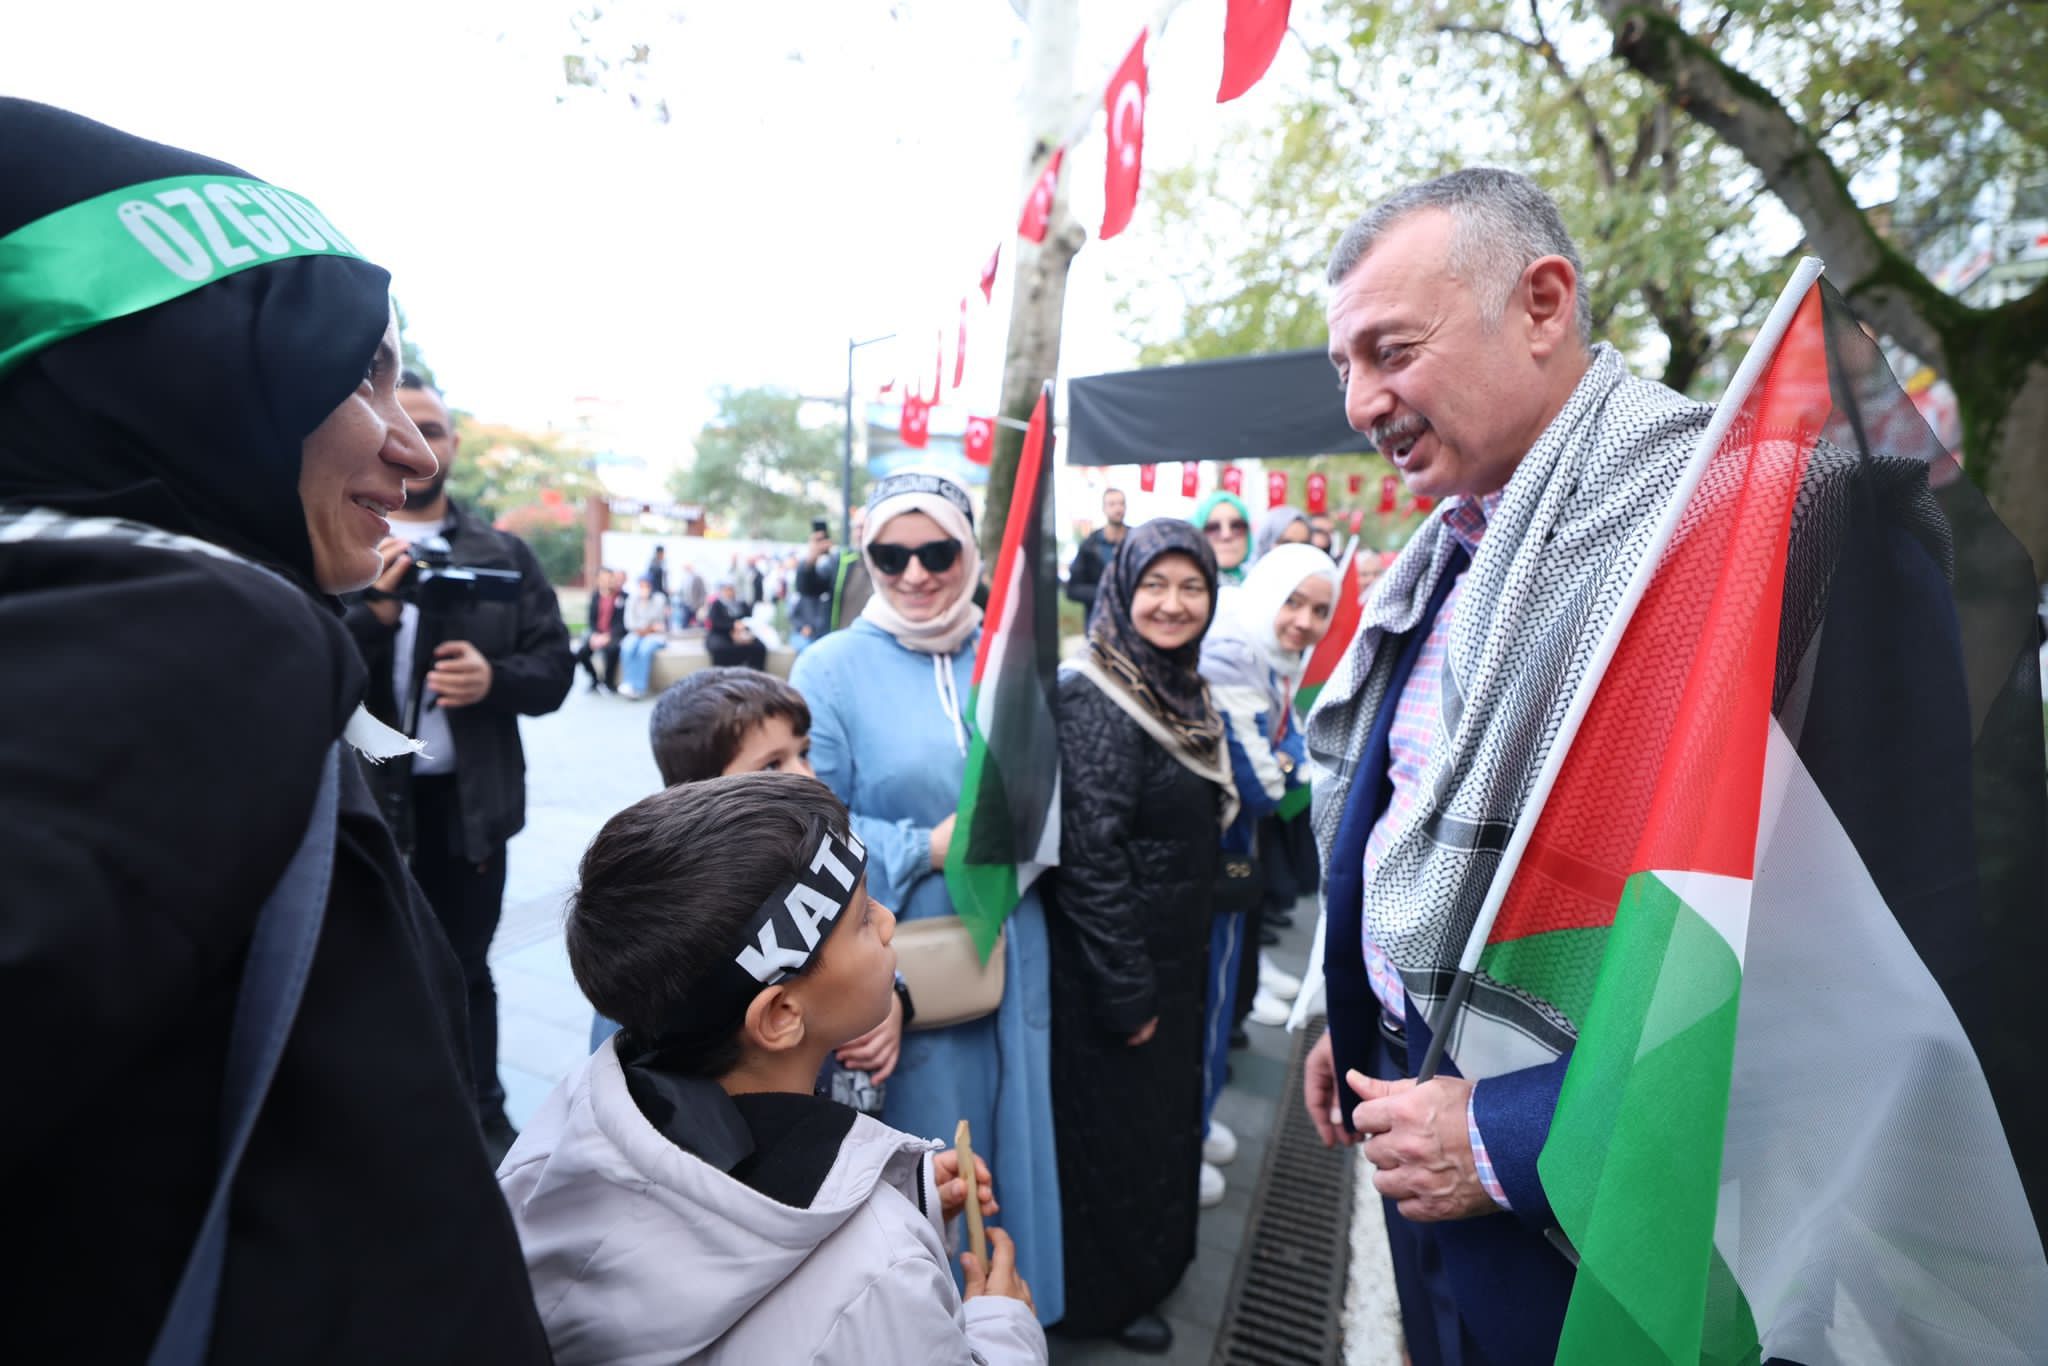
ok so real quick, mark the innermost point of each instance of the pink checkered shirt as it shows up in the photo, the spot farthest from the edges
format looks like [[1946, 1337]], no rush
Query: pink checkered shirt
[[1415, 721]]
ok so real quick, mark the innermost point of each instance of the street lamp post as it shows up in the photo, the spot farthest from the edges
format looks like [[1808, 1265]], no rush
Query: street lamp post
[[846, 464]]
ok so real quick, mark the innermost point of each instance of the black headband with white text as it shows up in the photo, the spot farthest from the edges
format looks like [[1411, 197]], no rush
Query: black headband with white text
[[778, 941], [912, 481]]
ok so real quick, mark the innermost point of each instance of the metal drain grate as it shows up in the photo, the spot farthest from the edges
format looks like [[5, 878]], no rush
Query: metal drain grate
[[1286, 1304]]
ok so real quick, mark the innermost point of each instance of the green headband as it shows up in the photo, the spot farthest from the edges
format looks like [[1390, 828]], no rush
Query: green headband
[[135, 248]]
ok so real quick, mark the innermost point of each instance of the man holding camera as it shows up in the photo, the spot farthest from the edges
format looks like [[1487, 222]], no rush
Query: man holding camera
[[462, 635], [810, 608]]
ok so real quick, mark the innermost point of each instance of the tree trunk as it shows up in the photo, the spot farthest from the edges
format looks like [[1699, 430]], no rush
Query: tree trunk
[[1997, 359], [1032, 354]]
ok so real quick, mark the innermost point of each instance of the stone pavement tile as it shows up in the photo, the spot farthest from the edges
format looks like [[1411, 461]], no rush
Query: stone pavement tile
[[524, 1093]]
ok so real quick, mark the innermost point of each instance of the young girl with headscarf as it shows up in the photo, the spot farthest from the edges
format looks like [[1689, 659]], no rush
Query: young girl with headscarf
[[889, 736], [1252, 660], [199, 435], [1145, 790]]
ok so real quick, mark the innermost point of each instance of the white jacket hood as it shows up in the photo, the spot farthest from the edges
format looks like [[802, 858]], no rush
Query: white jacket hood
[[639, 1252]]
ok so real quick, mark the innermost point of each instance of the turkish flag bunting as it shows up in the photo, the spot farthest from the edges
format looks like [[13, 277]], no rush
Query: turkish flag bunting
[[1038, 208], [960, 354], [887, 387], [1424, 503], [938, 366], [1318, 495], [1354, 484], [917, 420], [1190, 478], [1276, 488], [1388, 486], [988, 275], [1148, 477], [1232, 480], [981, 439], [1125, 101], [1252, 30]]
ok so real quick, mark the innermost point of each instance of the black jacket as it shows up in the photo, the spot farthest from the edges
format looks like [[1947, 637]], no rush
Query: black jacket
[[811, 602], [531, 670], [172, 712], [1089, 562], [618, 628], [1127, 920]]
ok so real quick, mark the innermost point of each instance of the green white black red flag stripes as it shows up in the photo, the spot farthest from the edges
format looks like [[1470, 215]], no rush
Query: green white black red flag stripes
[[1776, 1136], [1007, 830], [1345, 615]]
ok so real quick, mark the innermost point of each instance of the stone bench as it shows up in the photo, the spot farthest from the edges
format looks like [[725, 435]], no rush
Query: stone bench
[[685, 654]]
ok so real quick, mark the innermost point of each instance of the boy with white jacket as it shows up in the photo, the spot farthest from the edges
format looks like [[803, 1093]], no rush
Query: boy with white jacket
[[683, 1196]]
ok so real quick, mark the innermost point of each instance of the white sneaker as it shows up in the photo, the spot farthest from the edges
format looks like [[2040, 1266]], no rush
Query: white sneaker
[[1213, 1186], [629, 692], [1219, 1149], [1285, 985], [1268, 1009]]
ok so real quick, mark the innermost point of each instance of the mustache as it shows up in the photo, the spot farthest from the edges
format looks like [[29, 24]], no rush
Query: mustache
[[1394, 430]]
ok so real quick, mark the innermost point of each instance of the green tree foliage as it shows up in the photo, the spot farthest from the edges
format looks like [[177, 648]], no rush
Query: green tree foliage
[[1692, 146], [761, 470], [553, 530], [500, 468]]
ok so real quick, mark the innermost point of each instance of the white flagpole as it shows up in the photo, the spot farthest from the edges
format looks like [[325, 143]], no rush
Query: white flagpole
[[1760, 353]]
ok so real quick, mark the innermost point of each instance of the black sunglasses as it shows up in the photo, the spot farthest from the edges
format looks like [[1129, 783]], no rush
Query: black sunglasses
[[1230, 528], [936, 556]]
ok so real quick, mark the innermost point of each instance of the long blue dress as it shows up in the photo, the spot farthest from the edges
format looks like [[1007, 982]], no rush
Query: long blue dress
[[881, 741]]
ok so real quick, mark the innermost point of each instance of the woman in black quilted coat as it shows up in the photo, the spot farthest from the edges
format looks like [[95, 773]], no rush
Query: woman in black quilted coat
[[1145, 790]]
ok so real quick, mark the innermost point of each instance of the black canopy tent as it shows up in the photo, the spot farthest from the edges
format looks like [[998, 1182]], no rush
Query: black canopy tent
[[1244, 408]]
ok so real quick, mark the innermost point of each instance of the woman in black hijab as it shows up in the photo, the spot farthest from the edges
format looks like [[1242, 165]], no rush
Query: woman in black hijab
[[199, 431], [1145, 792]]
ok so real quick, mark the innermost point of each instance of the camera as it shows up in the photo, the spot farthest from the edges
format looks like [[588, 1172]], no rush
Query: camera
[[436, 583]]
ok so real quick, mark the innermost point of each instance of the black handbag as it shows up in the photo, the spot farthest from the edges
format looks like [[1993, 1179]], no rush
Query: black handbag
[[1239, 888]]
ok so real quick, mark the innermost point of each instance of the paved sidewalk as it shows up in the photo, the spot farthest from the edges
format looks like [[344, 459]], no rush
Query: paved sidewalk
[[591, 759]]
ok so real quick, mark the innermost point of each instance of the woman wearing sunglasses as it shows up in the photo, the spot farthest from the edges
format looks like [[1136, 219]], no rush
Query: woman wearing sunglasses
[[886, 695], [1145, 792], [1226, 523]]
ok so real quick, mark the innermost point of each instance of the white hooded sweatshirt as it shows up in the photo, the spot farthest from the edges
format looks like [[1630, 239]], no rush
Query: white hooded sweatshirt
[[641, 1253]]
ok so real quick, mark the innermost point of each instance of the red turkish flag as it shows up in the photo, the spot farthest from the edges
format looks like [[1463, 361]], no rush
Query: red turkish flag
[[917, 420], [1148, 478], [988, 275], [1276, 488], [1125, 101], [1424, 503], [887, 387], [1232, 480], [1354, 484], [1190, 478], [1038, 208], [1388, 487], [938, 365], [1252, 31], [960, 353], [981, 439], [1318, 495]]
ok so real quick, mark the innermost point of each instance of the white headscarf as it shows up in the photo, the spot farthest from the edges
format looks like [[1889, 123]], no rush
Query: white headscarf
[[1265, 590], [940, 499]]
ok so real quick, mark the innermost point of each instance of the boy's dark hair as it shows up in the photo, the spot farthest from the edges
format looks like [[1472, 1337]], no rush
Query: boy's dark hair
[[700, 723], [668, 884]]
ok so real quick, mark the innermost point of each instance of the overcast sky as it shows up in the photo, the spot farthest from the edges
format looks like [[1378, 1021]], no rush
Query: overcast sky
[[830, 167]]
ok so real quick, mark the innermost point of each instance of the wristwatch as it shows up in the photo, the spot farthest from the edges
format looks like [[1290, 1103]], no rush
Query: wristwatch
[[903, 995]]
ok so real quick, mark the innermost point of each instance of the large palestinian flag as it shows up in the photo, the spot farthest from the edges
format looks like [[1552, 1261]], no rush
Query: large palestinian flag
[[1786, 888], [1007, 830]]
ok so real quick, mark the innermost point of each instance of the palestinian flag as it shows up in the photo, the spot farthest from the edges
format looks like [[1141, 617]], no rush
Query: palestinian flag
[[1345, 615], [1786, 887], [1007, 831]]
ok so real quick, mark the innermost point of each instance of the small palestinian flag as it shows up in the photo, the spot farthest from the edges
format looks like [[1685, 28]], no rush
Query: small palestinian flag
[[1786, 887], [1345, 615], [1007, 830]]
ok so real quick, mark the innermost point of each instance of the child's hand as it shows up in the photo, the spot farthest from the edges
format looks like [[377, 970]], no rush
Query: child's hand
[[876, 1051], [953, 1190], [1001, 1278]]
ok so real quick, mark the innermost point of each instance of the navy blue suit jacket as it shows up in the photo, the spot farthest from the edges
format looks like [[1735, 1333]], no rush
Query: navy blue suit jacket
[[1509, 1283]]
